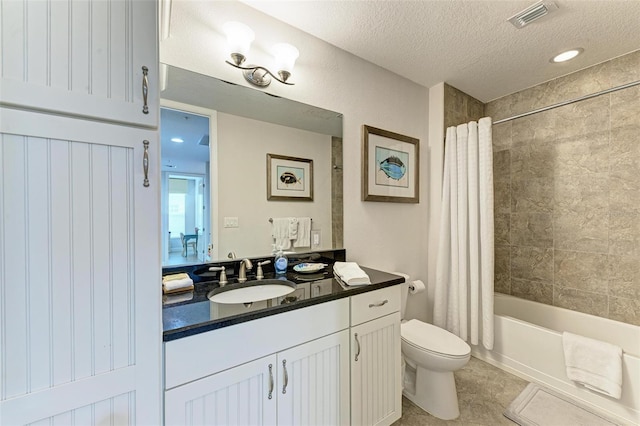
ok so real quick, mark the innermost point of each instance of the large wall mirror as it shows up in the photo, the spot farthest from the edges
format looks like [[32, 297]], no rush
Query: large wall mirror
[[221, 143]]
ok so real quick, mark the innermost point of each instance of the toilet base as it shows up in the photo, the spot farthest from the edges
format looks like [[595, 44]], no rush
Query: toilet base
[[436, 393]]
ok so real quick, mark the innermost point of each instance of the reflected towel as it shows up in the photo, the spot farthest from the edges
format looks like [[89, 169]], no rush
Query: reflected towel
[[293, 228], [594, 364], [280, 232], [349, 273], [304, 232], [168, 299]]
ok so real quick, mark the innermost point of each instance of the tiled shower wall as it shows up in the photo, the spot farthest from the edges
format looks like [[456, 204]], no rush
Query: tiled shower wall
[[567, 193], [460, 108]]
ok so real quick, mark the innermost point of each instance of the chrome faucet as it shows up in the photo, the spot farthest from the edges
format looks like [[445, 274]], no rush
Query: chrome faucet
[[245, 265]]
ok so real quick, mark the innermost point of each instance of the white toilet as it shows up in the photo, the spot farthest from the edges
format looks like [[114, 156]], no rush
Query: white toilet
[[431, 354]]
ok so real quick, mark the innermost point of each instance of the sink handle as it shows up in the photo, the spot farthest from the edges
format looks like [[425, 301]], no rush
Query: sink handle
[[270, 381], [223, 274], [259, 272], [286, 376]]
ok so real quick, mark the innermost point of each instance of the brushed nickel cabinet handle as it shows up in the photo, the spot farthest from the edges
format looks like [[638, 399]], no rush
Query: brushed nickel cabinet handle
[[358, 343], [270, 381], [145, 89], [145, 163], [376, 305], [286, 376]]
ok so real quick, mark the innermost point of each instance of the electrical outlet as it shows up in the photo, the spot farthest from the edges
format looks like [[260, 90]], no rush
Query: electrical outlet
[[315, 238], [231, 222]]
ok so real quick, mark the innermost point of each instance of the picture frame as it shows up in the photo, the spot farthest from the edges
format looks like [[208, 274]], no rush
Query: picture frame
[[390, 166], [289, 178]]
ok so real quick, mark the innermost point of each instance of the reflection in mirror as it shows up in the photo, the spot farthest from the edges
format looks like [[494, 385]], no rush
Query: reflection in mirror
[[244, 126], [184, 195]]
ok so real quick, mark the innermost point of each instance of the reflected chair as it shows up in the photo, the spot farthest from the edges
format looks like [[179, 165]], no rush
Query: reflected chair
[[186, 243]]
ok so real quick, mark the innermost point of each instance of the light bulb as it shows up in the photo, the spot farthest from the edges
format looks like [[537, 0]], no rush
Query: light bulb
[[239, 38], [285, 57]]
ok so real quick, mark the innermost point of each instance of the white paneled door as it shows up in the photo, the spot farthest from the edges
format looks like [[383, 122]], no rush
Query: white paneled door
[[243, 395], [79, 265], [376, 393], [313, 382], [82, 58]]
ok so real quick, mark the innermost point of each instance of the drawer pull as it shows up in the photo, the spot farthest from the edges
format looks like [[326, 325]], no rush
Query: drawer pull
[[357, 343], [145, 163], [145, 89], [286, 376], [270, 381], [376, 305]]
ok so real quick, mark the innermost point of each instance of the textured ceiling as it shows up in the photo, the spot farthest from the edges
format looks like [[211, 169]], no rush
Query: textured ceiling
[[468, 44]]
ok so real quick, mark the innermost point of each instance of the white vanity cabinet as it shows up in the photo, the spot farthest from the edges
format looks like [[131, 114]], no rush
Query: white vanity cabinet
[[96, 59], [376, 393], [286, 369]]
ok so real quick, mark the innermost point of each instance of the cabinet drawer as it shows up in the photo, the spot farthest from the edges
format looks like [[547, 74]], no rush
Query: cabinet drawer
[[374, 304]]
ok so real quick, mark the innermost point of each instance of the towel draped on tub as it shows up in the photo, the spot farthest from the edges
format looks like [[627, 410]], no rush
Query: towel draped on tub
[[593, 364]]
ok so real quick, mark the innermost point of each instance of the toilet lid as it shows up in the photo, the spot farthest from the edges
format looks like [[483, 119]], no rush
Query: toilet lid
[[434, 339]]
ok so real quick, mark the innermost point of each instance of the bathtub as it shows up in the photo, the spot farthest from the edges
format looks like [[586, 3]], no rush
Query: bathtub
[[528, 343]]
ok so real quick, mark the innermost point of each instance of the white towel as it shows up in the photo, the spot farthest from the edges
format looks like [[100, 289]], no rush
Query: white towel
[[304, 233], [594, 364], [280, 232], [174, 285], [350, 273]]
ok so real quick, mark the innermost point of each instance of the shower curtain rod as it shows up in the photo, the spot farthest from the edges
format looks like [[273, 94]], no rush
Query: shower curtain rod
[[571, 101]]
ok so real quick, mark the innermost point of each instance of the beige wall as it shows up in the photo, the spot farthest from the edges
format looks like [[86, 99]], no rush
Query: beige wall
[[567, 193], [242, 147]]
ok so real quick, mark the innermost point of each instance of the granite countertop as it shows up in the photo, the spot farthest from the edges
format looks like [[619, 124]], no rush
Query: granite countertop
[[191, 313]]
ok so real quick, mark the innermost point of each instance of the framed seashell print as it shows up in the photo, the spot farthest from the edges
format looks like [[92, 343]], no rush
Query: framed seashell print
[[289, 178], [390, 166]]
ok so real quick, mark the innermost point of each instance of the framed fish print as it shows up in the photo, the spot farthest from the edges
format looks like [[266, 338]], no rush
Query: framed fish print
[[289, 178], [390, 166]]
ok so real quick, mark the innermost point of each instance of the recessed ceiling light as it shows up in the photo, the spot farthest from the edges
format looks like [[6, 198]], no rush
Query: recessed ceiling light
[[565, 56], [177, 140]]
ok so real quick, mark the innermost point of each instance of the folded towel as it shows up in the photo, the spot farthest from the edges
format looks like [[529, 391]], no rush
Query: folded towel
[[280, 232], [304, 233], [594, 364], [174, 277], [350, 273], [177, 285]]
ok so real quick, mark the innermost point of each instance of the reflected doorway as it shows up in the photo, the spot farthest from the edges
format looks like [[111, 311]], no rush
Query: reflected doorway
[[185, 199]]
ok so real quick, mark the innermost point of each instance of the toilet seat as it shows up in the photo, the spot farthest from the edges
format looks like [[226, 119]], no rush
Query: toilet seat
[[429, 338]]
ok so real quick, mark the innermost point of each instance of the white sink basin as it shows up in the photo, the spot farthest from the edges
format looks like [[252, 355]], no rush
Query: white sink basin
[[251, 291]]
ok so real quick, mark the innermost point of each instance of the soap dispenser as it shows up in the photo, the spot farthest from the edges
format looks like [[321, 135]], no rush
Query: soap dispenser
[[281, 262]]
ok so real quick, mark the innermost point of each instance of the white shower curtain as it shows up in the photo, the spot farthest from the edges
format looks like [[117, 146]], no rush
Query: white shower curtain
[[464, 269]]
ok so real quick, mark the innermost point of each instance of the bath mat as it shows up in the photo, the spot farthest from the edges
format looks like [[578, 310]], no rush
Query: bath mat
[[538, 406]]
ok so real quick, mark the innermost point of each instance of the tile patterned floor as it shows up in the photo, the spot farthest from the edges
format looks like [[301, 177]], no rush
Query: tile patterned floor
[[484, 392]]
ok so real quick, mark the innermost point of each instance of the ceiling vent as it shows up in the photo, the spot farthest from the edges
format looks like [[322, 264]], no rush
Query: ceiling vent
[[532, 13]]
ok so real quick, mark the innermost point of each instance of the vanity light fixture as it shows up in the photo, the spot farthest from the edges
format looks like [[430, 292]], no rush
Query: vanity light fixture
[[177, 140], [239, 38], [567, 55]]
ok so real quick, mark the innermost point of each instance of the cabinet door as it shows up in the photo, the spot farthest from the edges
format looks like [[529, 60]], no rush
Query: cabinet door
[[376, 393], [313, 382], [79, 288], [243, 395], [82, 58]]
